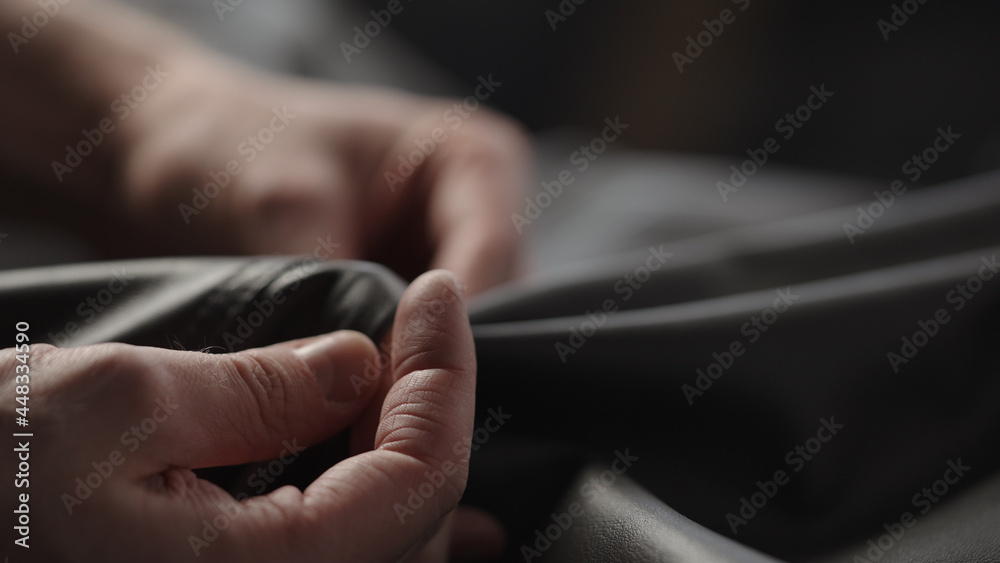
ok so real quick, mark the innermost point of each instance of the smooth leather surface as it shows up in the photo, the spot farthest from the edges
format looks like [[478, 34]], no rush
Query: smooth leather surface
[[625, 523], [824, 358], [966, 530]]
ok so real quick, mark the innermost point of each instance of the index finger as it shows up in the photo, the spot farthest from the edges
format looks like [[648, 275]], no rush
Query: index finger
[[478, 182], [382, 504]]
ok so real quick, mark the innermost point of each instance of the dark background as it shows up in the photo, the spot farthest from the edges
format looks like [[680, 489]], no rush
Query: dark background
[[614, 58]]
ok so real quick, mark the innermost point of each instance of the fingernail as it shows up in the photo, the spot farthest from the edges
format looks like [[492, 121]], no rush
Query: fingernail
[[333, 359], [457, 285]]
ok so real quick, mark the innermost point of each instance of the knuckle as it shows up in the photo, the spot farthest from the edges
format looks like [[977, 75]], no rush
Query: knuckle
[[114, 368], [108, 378], [277, 196], [117, 370], [264, 386]]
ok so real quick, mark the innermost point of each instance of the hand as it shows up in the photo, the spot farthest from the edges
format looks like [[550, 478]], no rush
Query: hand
[[293, 166], [131, 423], [141, 130]]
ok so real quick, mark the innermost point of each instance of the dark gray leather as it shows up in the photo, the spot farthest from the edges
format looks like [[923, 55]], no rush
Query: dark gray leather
[[628, 524], [965, 529], [823, 360], [625, 523], [825, 357], [218, 304]]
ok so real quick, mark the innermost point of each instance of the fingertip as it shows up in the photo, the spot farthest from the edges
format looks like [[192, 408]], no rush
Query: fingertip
[[448, 280], [482, 257], [434, 303], [424, 428], [440, 278], [433, 366]]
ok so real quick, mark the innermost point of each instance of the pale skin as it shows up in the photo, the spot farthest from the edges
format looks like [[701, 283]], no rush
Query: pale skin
[[321, 177], [415, 419]]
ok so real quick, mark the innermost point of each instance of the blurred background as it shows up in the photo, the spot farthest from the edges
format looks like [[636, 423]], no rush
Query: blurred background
[[567, 65], [940, 68]]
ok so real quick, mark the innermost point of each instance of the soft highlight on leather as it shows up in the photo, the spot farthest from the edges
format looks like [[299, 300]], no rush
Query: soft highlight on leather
[[822, 363]]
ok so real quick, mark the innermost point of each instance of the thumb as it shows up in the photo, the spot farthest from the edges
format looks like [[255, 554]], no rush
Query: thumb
[[238, 408], [382, 504]]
